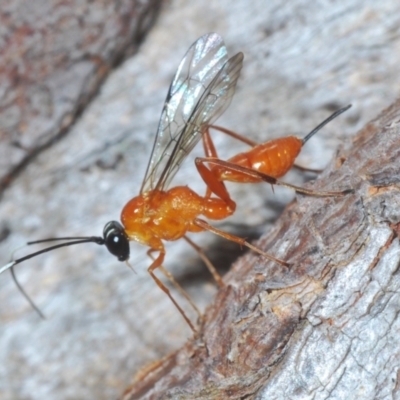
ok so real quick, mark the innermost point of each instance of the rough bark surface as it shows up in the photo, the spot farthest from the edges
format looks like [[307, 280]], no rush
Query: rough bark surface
[[104, 323], [327, 326], [53, 57]]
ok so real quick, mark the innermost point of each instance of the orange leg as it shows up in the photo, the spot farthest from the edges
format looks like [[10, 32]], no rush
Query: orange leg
[[213, 185], [235, 135], [157, 263], [304, 169], [206, 261], [212, 181], [178, 287], [205, 225], [211, 152]]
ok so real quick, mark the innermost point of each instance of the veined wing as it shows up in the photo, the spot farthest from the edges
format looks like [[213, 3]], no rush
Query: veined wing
[[201, 91]]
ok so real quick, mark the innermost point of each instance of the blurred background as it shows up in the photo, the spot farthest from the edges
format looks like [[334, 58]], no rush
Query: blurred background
[[81, 92]]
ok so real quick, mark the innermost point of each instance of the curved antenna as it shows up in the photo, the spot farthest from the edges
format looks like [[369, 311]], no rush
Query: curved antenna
[[70, 242], [75, 240], [22, 291], [323, 123]]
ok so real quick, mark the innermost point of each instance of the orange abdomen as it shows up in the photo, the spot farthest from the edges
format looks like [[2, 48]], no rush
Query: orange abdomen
[[273, 158]]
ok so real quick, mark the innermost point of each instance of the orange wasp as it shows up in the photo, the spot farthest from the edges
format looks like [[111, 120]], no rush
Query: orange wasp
[[200, 92]]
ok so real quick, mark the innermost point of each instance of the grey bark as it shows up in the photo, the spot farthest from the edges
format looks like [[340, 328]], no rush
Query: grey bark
[[54, 57], [105, 323]]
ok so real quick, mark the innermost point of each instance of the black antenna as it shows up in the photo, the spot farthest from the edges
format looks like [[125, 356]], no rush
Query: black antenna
[[21, 289], [323, 123], [70, 242], [114, 238]]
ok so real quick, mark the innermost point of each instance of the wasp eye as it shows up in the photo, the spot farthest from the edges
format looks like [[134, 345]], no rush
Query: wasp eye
[[116, 240]]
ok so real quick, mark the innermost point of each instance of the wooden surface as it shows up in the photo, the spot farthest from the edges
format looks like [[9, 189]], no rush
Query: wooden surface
[[105, 323]]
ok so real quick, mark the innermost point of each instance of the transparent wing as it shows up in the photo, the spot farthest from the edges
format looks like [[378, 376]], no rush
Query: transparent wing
[[213, 102], [200, 91]]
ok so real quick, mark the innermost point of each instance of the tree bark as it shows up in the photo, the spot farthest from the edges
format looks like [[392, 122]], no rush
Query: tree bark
[[54, 57], [327, 326]]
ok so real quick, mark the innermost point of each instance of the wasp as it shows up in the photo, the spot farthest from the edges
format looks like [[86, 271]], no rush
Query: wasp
[[200, 92]]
